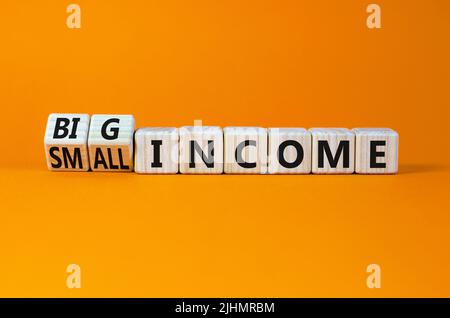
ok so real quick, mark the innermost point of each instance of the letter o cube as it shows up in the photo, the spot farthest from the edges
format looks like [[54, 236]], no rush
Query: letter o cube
[[289, 151]]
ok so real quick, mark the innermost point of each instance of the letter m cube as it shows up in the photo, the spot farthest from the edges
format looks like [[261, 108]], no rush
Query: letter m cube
[[66, 142]]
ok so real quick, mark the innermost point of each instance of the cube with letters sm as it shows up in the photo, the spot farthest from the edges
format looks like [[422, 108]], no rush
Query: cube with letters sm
[[66, 142]]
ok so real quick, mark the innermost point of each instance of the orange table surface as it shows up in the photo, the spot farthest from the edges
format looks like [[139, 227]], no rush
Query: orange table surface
[[227, 63], [229, 236]]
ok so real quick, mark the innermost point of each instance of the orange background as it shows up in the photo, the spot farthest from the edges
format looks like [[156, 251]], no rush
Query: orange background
[[264, 63]]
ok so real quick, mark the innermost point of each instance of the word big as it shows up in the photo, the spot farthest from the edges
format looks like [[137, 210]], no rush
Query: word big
[[77, 142]]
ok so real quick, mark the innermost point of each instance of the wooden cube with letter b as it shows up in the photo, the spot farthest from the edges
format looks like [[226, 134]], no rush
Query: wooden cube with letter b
[[376, 150], [333, 150], [66, 142], [111, 142]]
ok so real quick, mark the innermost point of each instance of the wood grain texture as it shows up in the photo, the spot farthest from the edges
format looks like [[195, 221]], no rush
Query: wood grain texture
[[289, 139], [331, 139], [166, 140], [116, 153], [371, 140], [208, 149], [66, 150], [245, 146]]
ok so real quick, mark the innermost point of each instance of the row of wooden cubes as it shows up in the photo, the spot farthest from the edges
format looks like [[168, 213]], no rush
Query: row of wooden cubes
[[78, 142]]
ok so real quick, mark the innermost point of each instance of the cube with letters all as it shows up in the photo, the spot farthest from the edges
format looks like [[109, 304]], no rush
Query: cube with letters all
[[66, 142], [376, 150], [289, 150], [110, 142], [333, 150], [201, 149], [156, 150], [245, 150]]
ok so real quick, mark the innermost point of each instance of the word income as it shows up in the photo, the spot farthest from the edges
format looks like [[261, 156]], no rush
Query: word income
[[78, 142]]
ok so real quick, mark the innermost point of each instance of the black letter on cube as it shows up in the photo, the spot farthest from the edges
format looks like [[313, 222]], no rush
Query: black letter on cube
[[66, 142]]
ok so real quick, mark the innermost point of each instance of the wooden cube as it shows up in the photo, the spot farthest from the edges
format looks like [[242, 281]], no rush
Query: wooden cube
[[376, 150], [201, 149], [245, 150], [66, 142], [156, 150], [333, 150], [111, 142], [289, 151]]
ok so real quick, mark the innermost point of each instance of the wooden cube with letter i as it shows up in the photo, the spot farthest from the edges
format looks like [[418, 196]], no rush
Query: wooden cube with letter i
[[66, 142], [111, 142], [156, 150]]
